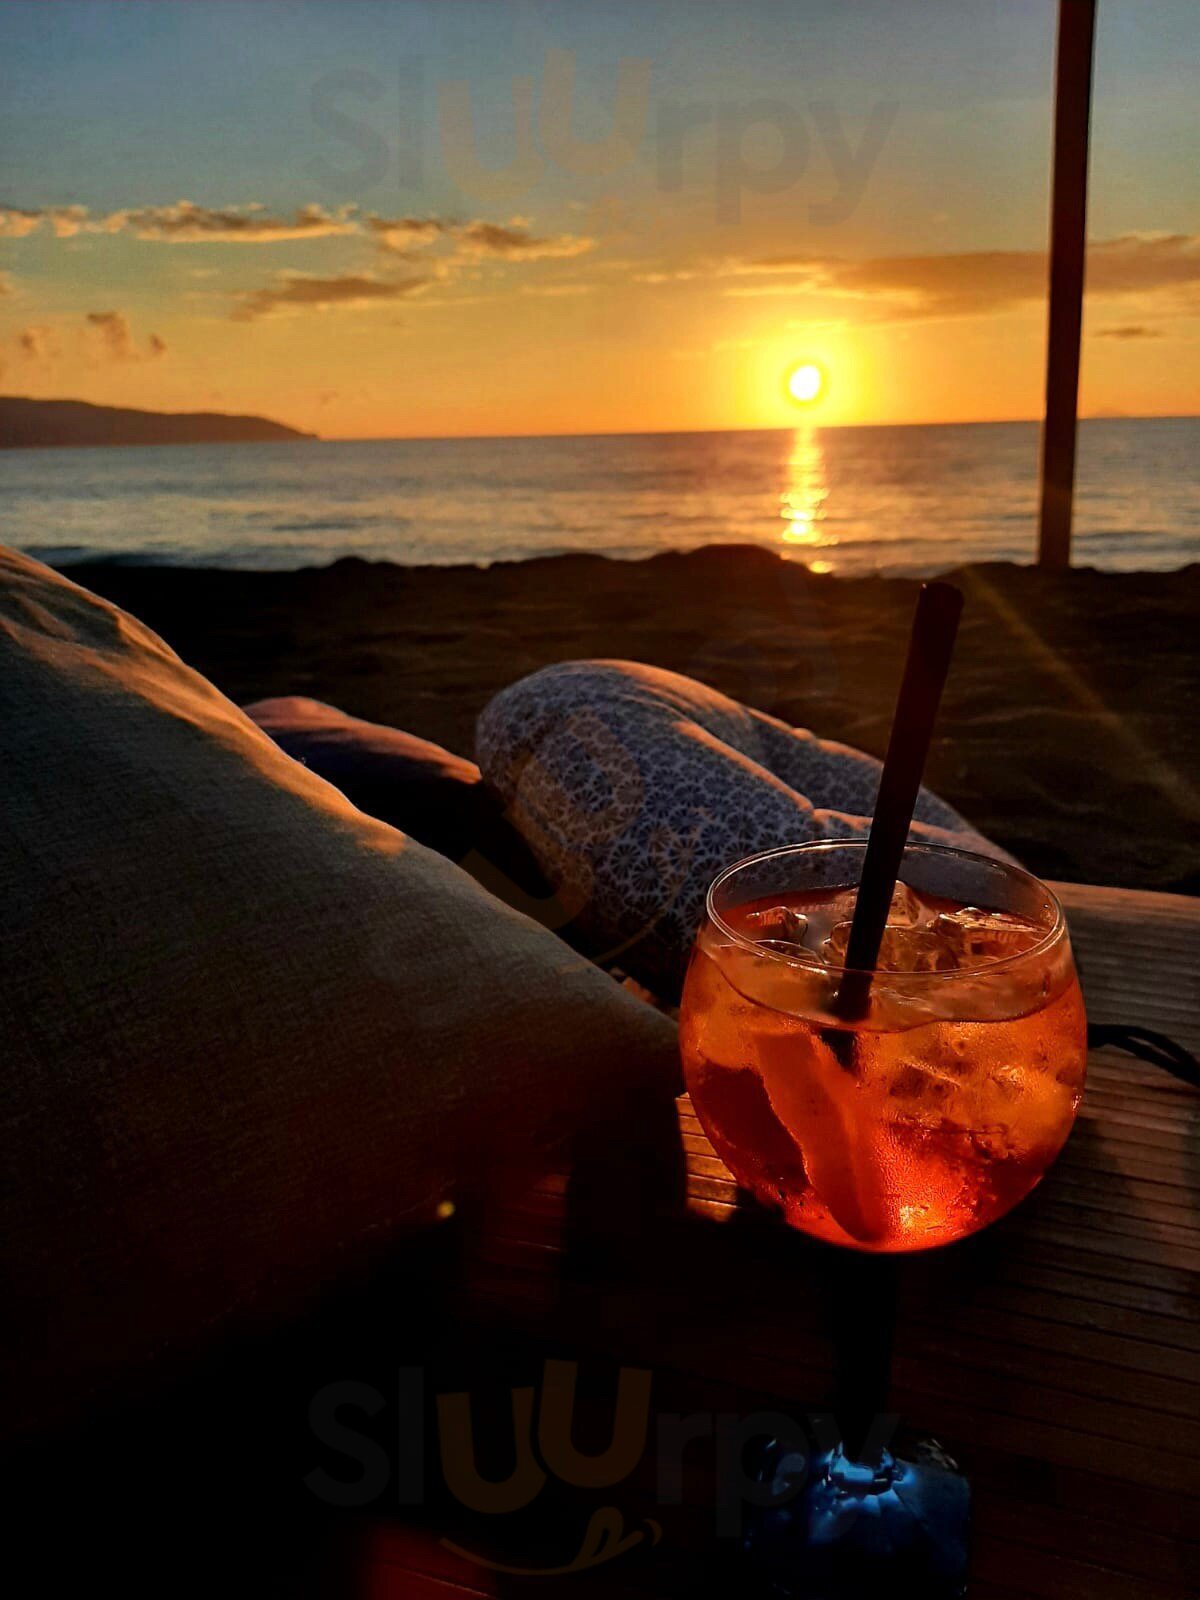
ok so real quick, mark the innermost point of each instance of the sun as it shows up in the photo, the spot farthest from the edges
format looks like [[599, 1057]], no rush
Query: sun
[[806, 382]]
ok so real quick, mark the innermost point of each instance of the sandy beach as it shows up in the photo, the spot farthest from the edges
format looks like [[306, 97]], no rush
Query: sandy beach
[[1068, 733]]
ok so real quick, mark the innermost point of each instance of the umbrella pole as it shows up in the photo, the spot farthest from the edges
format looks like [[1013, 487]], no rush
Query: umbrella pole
[[1068, 240]]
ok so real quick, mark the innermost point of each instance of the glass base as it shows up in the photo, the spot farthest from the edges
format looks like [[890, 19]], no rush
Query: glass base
[[847, 1530]]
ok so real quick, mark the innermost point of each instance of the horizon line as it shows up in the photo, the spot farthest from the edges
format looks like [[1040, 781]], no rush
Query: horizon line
[[650, 433]]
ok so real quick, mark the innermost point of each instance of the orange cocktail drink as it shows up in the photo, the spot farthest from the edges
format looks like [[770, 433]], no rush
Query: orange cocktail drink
[[901, 1110]]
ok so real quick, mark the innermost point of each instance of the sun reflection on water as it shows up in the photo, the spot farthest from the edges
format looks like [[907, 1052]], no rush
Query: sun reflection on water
[[802, 500]]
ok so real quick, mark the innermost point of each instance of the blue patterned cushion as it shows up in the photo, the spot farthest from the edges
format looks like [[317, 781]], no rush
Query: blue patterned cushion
[[635, 786]]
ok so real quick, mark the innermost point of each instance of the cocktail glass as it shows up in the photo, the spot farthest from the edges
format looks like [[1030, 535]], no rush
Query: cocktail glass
[[881, 1112]]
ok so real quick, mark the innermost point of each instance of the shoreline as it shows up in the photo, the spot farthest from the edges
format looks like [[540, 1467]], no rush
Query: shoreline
[[137, 561], [1068, 732]]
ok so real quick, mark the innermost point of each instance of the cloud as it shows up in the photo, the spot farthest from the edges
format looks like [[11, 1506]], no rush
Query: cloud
[[116, 337], [36, 343], [67, 221], [974, 283], [186, 223], [517, 243], [898, 287], [293, 291], [936, 286], [115, 332], [405, 233], [181, 223], [510, 241], [1140, 261], [17, 222], [1129, 330]]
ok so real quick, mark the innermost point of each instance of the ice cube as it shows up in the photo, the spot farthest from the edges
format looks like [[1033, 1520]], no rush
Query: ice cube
[[833, 948], [837, 905], [1007, 1082], [906, 910], [912, 950], [777, 925], [922, 1085], [907, 915], [902, 949], [972, 935]]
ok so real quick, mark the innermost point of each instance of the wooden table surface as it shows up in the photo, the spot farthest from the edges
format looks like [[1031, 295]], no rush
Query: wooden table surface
[[1056, 1356]]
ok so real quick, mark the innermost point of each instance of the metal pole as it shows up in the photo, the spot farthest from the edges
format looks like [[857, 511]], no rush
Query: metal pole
[[1068, 241]]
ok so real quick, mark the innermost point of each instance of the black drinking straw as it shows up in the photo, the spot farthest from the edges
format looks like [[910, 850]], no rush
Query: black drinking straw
[[865, 1286], [930, 646]]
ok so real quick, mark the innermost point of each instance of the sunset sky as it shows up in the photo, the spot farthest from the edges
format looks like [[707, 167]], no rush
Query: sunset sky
[[416, 218]]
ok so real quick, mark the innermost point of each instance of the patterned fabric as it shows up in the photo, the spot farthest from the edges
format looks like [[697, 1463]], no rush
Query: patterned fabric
[[635, 786]]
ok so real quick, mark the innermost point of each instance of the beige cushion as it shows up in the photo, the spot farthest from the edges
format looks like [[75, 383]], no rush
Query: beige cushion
[[246, 1031]]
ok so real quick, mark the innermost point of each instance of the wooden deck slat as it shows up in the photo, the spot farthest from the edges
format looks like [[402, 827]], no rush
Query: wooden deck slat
[[1052, 1576], [1107, 1545]]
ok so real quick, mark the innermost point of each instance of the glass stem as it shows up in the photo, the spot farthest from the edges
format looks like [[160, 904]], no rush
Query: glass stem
[[864, 1321]]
